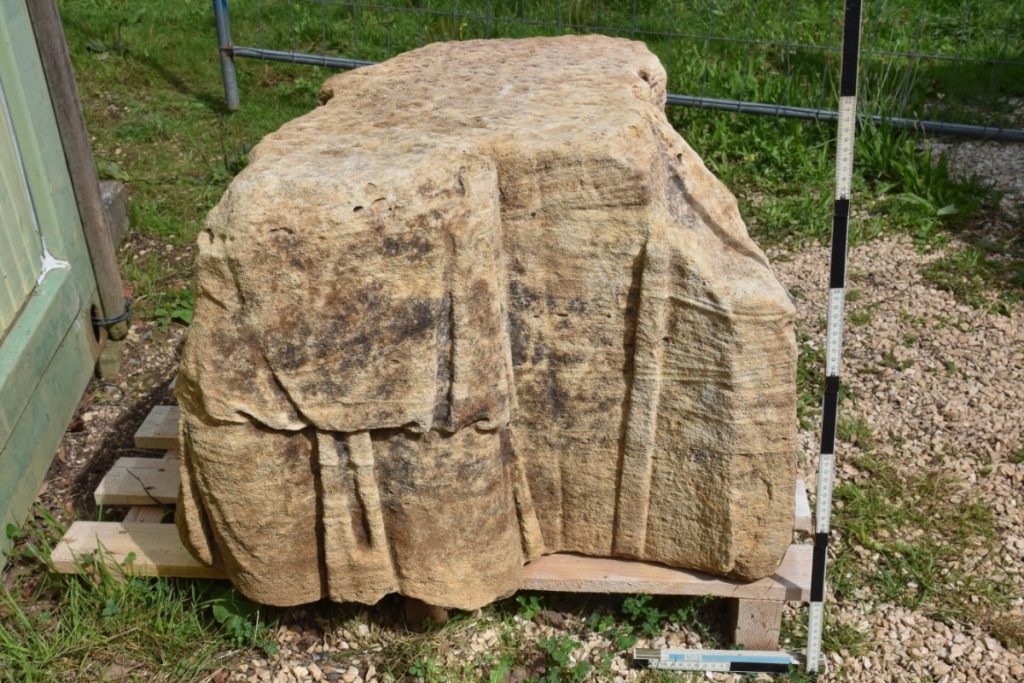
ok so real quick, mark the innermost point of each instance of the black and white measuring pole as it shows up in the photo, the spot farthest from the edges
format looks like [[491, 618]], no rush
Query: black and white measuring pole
[[781, 662], [834, 325]]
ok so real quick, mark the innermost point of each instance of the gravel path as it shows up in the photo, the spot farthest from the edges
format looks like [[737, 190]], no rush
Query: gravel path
[[940, 385]]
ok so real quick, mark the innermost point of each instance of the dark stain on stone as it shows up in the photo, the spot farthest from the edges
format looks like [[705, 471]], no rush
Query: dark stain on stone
[[415, 317], [290, 355], [519, 339], [561, 358], [540, 349], [479, 309], [521, 296], [508, 451], [557, 398], [413, 248], [443, 344], [701, 455]]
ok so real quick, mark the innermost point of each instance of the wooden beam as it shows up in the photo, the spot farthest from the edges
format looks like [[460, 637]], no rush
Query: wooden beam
[[569, 573], [802, 514], [158, 551], [151, 514], [139, 481], [756, 624], [159, 430], [60, 80], [155, 549], [114, 195]]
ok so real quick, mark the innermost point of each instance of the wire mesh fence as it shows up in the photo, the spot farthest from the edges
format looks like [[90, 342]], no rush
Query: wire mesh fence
[[943, 66]]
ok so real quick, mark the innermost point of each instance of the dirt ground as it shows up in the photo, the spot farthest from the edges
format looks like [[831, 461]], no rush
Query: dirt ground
[[936, 385]]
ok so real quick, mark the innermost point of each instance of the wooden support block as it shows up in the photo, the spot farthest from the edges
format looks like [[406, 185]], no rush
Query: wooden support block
[[159, 430], [756, 623], [419, 614], [139, 481], [156, 548], [802, 514], [569, 573], [149, 514]]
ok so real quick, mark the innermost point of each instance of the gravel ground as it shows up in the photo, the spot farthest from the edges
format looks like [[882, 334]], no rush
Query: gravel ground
[[974, 416], [1000, 163], [939, 384]]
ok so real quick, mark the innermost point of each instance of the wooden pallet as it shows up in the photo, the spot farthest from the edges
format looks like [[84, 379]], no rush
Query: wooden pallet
[[149, 539]]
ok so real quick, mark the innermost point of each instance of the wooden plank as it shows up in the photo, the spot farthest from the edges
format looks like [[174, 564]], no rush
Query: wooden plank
[[139, 481], [802, 514], [60, 80], [143, 463], [579, 574], [156, 548], [159, 430], [150, 514], [114, 195], [158, 552]]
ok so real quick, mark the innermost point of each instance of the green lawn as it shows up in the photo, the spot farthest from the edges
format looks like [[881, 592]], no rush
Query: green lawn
[[150, 84]]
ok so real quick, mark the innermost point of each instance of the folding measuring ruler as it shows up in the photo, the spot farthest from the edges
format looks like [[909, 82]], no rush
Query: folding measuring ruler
[[780, 662]]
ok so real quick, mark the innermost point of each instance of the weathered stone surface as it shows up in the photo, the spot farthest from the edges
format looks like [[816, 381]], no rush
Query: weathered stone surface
[[483, 303]]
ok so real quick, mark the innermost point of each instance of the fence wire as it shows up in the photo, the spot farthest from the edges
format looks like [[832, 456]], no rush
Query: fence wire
[[942, 66]]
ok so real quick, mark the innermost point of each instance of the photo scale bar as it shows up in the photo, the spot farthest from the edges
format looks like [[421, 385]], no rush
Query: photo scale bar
[[846, 131]]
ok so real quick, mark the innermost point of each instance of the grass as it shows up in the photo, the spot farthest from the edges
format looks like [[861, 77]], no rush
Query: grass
[[103, 624], [856, 431], [916, 539], [153, 101], [150, 85], [969, 275]]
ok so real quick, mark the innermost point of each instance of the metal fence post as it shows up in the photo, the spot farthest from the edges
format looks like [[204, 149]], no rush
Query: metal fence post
[[227, 54]]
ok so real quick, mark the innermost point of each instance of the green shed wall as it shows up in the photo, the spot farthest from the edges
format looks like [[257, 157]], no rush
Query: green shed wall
[[47, 345]]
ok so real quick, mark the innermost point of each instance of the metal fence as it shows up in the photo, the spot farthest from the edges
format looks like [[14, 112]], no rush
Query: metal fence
[[944, 67]]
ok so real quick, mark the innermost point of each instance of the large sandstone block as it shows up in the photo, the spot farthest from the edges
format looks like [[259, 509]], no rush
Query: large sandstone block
[[484, 303]]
